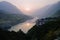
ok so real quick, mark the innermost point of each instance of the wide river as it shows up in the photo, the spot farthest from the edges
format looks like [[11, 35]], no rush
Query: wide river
[[25, 26]]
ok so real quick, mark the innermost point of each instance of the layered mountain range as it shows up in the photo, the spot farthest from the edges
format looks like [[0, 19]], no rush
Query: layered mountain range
[[47, 11], [10, 15]]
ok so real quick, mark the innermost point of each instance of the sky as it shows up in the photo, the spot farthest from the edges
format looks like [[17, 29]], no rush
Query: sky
[[30, 5]]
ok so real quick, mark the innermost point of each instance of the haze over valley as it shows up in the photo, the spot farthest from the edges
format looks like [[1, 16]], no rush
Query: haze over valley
[[29, 20]]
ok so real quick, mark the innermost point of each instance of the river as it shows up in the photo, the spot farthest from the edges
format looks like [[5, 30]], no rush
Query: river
[[25, 26]]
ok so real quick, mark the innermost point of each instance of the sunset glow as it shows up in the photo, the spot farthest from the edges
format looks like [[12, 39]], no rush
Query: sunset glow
[[29, 6], [27, 9]]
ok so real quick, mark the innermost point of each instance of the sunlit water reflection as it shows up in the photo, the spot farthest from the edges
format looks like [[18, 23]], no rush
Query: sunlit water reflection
[[24, 26]]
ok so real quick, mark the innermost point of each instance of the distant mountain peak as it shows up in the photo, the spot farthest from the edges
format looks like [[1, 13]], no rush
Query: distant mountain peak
[[10, 15], [9, 7], [47, 10], [4, 2]]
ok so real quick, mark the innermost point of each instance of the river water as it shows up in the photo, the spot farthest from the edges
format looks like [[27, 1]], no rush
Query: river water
[[25, 26]]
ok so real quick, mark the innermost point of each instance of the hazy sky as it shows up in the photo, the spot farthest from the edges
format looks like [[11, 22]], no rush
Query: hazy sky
[[30, 5]]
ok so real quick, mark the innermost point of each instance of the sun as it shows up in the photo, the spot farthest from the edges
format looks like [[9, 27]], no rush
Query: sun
[[27, 9]]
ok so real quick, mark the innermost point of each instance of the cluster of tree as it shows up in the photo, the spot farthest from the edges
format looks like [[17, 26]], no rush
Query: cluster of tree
[[7, 35], [47, 31]]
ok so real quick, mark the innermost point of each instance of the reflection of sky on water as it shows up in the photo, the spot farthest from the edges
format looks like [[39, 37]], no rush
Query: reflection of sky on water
[[24, 26]]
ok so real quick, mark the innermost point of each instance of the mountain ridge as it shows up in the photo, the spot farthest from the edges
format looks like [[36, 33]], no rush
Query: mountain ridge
[[10, 15], [47, 11]]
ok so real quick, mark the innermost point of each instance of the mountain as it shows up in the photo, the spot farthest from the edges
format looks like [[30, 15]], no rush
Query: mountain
[[10, 15], [9, 8], [53, 17], [57, 13], [48, 10]]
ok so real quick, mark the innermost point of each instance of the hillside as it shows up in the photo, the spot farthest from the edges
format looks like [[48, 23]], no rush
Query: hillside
[[10, 15], [57, 13], [9, 8], [9, 20], [48, 31]]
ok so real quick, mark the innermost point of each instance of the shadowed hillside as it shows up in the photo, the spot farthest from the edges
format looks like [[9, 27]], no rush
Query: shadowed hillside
[[10, 15], [48, 31], [9, 8], [46, 28], [57, 13]]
